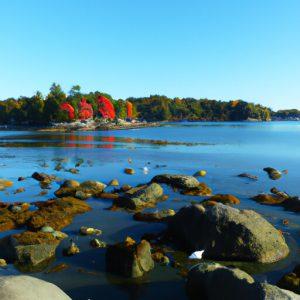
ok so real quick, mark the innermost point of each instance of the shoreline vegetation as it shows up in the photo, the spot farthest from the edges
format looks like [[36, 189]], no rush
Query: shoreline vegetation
[[44, 112]]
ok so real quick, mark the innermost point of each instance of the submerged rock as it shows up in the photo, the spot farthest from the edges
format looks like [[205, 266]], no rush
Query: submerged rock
[[291, 281], [226, 233], [129, 259], [140, 197], [180, 181], [57, 213], [13, 216], [22, 287], [5, 184], [222, 198], [213, 281], [279, 198], [268, 199], [160, 216], [273, 173], [249, 176], [201, 190]]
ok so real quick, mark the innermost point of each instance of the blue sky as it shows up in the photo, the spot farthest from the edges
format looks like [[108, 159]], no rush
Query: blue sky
[[233, 49]]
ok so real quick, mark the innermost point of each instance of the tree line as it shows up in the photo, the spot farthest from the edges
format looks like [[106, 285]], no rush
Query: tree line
[[43, 110]]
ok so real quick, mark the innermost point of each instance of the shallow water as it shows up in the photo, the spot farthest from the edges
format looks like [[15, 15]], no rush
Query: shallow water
[[224, 150]]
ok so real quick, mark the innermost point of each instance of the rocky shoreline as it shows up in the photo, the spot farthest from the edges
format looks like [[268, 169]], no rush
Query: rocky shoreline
[[213, 225]]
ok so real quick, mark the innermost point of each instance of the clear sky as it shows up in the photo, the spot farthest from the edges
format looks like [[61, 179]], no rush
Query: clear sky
[[221, 49]]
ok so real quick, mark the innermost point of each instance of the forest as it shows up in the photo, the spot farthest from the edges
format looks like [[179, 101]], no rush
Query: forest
[[40, 110]]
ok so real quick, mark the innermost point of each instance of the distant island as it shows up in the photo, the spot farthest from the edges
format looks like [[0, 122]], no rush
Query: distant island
[[59, 107]]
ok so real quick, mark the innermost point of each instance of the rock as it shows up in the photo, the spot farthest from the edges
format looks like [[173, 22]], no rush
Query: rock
[[71, 250], [47, 229], [73, 170], [19, 190], [13, 216], [141, 197], [114, 182], [268, 199], [129, 171], [5, 184], [96, 243], [92, 186], [3, 263], [43, 177], [160, 216], [223, 198], [180, 181], [201, 190], [129, 259], [90, 231], [273, 173], [83, 191], [291, 281], [79, 162], [213, 281], [57, 213], [82, 195], [292, 204], [126, 187], [160, 258], [58, 167], [15, 209], [29, 249], [226, 233], [58, 268], [249, 176], [21, 178], [22, 287], [200, 173], [108, 196], [71, 184], [278, 193]]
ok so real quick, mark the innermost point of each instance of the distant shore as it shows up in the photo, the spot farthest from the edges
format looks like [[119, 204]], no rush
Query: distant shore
[[94, 126]]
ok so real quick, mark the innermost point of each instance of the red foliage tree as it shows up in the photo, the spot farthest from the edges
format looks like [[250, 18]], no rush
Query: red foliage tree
[[106, 108], [129, 109], [86, 110], [69, 108]]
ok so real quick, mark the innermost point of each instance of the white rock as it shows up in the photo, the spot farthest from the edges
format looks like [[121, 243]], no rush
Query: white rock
[[22, 287], [196, 255]]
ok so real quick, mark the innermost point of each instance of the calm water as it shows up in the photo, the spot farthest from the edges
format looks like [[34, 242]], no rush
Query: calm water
[[223, 149]]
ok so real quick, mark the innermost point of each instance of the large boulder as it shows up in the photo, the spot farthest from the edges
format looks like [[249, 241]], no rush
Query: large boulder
[[141, 197], [213, 281], [179, 181], [29, 250], [29, 288], [226, 233], [129, 259]]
